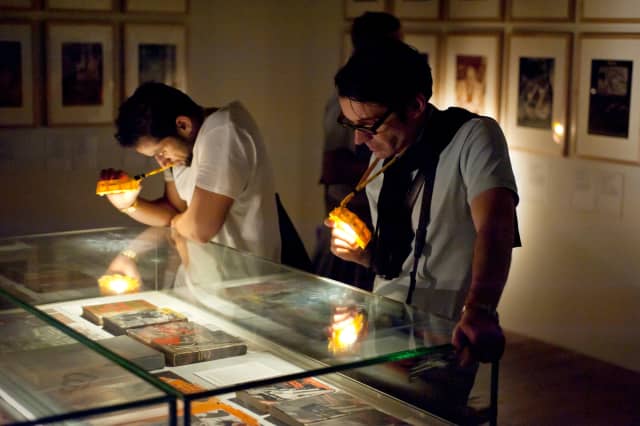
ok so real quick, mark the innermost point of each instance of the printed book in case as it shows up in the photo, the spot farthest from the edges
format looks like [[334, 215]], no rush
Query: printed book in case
[[207, 411], [188, 342], [96, 313], [313, 409], [263, 398], [364, 418], [119, 323]]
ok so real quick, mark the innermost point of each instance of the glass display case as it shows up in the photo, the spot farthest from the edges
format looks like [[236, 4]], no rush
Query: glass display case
[[171, 332], [47, 376]]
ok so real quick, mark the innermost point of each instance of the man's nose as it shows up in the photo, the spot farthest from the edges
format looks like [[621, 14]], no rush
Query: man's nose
[[161, 160], [361, 137]]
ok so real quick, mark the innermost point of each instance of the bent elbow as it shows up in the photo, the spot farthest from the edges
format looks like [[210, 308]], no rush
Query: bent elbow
[[202, 237]]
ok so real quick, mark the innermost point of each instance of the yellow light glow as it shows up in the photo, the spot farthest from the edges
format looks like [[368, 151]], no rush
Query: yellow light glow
[[350, 223], [345, 335], [118, 284], [114, 186], [558, 132]]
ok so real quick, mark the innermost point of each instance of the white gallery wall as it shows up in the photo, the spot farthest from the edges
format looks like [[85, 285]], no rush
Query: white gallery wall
[[573, 283]]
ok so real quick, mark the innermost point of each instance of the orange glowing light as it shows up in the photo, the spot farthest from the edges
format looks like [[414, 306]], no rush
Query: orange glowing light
[[345, 334], [350, 223], [114, 186], [125, 183], [558, 132], [113, 284]]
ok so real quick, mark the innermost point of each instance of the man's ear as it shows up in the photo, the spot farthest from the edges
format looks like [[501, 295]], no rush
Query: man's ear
[[418, 106], [184, 126]]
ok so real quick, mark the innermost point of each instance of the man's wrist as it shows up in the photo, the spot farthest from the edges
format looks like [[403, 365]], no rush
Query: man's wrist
[[485, 308], [132, 208], [129, 253]]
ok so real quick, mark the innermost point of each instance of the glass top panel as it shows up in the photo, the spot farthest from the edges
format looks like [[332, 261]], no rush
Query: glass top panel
[[225, 320], [46, 374]]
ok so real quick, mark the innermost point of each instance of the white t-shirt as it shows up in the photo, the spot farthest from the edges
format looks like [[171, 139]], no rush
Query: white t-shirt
[[476, 159], [229, 158]]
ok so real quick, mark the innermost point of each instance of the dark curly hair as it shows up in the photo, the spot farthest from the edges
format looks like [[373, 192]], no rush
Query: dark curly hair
[[371, 27], [389, 73], [152, 111]]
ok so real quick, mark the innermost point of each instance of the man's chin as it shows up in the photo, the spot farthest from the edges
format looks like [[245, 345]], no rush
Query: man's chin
[[380, 154]]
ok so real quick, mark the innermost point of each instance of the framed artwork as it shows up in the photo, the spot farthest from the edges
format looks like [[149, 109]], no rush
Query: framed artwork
[[417, 9], [608, 120], [355, 8], [80, 73], [17, 91], [472, 72], [537, 91], [610, 10], [162, 6], [17, 4], [93, 5], [489, 10], [155, 52], [545, 10], [428, 44]]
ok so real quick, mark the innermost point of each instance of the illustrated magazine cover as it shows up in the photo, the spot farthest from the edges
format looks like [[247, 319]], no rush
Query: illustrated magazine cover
[[262, 398], [119, 323], [188, 342], [96, 313]]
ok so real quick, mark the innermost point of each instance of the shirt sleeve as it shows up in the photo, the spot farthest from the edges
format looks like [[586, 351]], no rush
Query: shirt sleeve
[[225, 161], [485, 162]]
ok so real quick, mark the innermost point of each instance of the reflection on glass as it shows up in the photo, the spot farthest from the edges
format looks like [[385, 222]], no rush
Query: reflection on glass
[[345, 332], [117, 284]]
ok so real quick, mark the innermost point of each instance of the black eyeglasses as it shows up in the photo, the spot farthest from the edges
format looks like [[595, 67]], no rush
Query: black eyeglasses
[[369, 130]]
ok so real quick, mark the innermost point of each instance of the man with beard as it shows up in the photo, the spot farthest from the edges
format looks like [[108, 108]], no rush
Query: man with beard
[[220, 186]]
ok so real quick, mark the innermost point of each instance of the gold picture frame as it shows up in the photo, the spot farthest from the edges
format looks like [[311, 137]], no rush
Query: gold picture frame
[[542, 10], [429, 44], [608, 105], [472, 68], [476, 10], [154, 52], [355, 8], [18, 87], [537, 93], [80, 73], [417, 10]]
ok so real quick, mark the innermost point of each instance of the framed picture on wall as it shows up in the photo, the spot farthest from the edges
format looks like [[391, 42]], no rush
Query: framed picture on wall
[[428, 44], [355, 8], [488, 10], [17, 91], [537, 91], [155, 52], [80, 73], [608, 119], [17, 4], [610, 10], [546, 10], [472, 72], [416, 9], [93, 5], [161, 6]]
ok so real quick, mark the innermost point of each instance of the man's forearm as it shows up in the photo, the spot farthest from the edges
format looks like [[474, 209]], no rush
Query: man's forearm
[[153, 213], [490, 268]]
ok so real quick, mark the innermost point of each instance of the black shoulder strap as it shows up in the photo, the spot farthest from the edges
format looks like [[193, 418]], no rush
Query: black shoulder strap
[[441, 128]]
